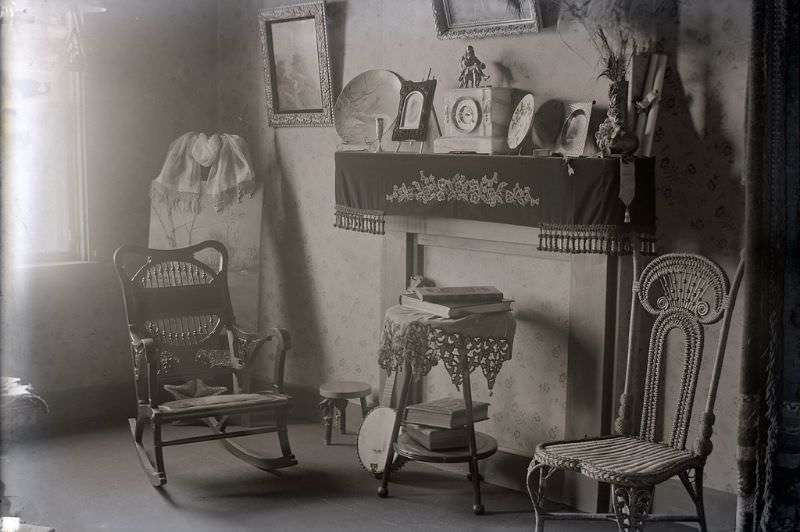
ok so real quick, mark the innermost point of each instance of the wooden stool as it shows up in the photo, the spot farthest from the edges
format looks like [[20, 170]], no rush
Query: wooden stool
[[334, 402]]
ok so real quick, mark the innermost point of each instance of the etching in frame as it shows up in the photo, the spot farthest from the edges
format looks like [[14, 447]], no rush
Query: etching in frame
[[475, 19], [294, 43], [416, 99]]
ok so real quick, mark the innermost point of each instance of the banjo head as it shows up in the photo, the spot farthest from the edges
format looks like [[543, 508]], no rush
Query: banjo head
[[374, 439]]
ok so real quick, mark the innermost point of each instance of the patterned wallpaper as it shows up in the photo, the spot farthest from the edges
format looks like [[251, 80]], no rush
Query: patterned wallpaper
[[699, 150], [323, 283], [528, 399]]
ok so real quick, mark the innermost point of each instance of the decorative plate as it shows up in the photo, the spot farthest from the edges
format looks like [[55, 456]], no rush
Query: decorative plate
[[466, 114], [571, 140], [521, 122], [370, 95]]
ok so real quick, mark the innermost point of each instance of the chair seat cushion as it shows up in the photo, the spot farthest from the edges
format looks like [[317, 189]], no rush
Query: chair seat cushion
[[621, 460], [237, 400]]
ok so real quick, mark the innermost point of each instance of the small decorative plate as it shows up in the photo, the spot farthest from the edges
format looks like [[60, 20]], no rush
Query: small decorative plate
[[466, 114], [370, 95], [521, 122], [571, 140]]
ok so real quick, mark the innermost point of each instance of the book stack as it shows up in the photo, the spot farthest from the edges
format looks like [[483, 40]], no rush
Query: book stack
[[441, 424], [456, 301]]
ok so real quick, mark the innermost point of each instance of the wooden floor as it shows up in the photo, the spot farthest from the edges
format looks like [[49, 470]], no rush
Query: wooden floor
[[88, 482]]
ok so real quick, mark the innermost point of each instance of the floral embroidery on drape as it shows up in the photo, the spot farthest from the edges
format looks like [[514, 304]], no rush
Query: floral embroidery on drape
[[484, 191]]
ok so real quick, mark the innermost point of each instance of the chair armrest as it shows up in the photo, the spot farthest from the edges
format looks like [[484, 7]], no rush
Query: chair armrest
[[146, 346], [140, 343], [251, 344]]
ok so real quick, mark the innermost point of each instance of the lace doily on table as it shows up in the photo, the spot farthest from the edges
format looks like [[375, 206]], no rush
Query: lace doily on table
[[424, 345]]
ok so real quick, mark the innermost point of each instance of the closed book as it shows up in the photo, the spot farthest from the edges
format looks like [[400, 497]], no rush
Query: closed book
[[437, 439], [438, 294], [445, 413], [456, 309]]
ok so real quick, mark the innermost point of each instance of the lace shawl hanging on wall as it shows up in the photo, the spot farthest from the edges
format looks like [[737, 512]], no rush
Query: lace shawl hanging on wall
[[180, 183]]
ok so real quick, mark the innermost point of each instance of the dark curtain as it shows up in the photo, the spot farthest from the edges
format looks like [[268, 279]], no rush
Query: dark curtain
[[769, 423]]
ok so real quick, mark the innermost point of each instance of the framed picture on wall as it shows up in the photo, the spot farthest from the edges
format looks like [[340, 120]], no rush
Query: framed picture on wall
[[475, 19], [294, 43]]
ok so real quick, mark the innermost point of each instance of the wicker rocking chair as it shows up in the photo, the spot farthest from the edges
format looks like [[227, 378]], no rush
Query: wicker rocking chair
[[184, 341], [684, 292]]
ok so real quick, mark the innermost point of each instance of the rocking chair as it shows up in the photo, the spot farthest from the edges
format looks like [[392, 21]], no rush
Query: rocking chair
[[184, 340], [684, 292]]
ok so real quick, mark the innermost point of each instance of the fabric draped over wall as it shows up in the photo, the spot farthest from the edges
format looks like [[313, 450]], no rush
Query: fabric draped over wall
[[180, 183], [769, 420]]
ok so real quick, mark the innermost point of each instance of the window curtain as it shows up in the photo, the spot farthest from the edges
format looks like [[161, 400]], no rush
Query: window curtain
[[769, 423]]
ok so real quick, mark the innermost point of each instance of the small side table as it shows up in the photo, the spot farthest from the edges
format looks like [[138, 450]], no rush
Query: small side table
[[334, 403], [413, 341]]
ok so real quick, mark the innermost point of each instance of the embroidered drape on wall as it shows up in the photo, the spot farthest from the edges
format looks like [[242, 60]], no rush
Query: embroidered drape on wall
[[575, 203], [180, 182]]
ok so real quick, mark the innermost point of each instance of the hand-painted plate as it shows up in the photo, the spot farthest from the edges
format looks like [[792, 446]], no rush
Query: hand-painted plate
[[521, 122], [370, 95]]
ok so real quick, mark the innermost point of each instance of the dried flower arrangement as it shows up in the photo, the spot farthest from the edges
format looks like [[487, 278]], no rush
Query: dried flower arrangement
[[611, 136], [616, 61]]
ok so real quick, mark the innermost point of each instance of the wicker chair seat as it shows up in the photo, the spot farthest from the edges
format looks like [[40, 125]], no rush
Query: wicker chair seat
[[621, 460]]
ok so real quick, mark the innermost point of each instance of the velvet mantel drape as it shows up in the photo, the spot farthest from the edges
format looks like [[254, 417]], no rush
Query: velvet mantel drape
[[769, 422]]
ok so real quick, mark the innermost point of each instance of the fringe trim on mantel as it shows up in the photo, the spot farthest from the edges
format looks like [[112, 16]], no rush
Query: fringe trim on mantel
[[361, 220], [604, 239]]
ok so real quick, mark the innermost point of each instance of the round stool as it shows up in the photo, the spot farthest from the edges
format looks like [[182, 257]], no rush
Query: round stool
[[334, 402]]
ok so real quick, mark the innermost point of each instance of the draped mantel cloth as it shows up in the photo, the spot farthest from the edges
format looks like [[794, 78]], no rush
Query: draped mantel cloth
[[574, 202], [422, 340]]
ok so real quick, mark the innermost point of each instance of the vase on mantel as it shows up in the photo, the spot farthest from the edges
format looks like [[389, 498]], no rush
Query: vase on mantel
[[611, 136]]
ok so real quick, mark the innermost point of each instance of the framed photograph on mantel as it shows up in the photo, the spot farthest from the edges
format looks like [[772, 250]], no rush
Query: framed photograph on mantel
[[416, 98], [294, 43], [475, 19]]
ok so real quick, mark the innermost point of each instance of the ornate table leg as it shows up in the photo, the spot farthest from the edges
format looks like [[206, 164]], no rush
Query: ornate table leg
[[474, 474], [383, 489], [326, 409], [341, 413]]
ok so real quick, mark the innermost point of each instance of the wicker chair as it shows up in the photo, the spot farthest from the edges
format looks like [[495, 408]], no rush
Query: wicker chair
[[185, 342], [684, 292]]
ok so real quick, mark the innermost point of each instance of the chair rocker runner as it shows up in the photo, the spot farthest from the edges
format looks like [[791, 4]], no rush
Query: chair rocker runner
[[184, 341], [685, 292]]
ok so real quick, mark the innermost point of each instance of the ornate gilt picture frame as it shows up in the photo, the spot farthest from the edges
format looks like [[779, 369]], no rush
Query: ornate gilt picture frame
[[416, 99], [294, 43], [476, 19]]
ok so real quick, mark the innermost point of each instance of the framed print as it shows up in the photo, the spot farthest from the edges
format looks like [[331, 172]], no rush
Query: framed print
[[294, 43], [475, 19], [416, 98]]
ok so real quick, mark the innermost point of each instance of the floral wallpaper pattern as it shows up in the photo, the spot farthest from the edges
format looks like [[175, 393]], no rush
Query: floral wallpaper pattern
[[528, 400]]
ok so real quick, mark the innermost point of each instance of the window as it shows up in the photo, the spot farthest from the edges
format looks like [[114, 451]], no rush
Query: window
[[44, 177]]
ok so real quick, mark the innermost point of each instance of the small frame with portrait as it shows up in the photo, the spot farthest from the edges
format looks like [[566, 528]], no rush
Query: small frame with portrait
[[416, 99]]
